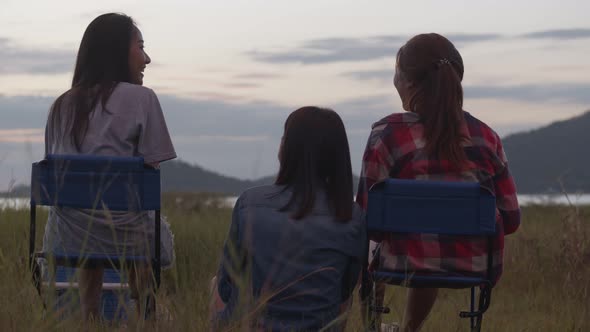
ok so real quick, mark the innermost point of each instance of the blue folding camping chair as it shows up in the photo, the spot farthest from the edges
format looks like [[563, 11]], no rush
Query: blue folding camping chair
[[400, 208], [95, 182]]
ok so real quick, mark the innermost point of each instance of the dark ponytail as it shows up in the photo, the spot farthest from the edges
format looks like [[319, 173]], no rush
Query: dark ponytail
[[435, 68]]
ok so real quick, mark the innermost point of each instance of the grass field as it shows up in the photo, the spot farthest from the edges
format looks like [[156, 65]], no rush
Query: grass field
[[545, 286]]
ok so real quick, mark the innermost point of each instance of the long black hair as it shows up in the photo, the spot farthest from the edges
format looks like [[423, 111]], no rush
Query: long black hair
[[435, 67], [315, 155], [102, 62]]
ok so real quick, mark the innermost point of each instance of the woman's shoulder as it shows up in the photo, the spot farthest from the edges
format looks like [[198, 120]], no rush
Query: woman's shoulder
[[133, 91], [479, 128], [64, 98], [133, 98], [397, 118], [260, 195]]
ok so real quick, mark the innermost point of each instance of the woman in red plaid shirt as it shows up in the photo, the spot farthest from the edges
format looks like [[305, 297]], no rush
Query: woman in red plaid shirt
[[436, 140]]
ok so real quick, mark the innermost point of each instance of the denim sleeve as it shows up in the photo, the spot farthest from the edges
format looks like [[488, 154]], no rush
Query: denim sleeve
[[356, 262], [350, 278], [231, 262]]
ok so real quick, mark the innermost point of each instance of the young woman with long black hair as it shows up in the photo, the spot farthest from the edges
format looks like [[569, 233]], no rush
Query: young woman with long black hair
[[108, 112]]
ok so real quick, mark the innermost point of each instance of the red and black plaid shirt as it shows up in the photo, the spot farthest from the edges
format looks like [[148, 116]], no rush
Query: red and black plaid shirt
[[395, 149]]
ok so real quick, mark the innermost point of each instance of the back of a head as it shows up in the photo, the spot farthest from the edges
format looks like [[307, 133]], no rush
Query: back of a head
[[102, 63], [315, 156], [103, 56], [433, 68]]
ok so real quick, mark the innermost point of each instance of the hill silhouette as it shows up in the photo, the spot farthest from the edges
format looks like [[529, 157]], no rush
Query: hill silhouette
[[542, 160], [180, 176], [545, 159]]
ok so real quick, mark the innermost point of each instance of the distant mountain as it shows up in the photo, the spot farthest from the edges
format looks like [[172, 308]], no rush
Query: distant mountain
[[545, 159], [541, 160], [19, 190], [178, 175]]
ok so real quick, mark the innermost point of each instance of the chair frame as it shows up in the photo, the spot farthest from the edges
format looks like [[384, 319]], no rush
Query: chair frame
[[427, 192], [85, 181]]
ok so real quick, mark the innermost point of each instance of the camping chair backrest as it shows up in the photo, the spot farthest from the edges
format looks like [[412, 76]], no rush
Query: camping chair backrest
[[438, 207], [426, 221], [95, 182]]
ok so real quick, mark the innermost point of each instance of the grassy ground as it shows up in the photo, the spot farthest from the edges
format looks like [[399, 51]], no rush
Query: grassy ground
[[545, 286]]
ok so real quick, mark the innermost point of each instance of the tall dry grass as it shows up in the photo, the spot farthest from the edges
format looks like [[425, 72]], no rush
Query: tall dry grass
[[545, 286]]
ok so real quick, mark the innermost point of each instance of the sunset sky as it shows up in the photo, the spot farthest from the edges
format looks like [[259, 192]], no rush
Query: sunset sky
[[229, 72]]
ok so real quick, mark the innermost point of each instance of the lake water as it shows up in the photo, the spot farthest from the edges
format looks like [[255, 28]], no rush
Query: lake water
[[21, 203], [576, 199]]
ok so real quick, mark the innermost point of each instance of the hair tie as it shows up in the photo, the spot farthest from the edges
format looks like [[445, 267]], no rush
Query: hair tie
[[442, 62]]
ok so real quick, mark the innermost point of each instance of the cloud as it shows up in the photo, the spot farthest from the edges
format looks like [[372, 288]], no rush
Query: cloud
[[555, 92], [241, 138], [370, 103], [465, 38], [334, 50], [24, 111], [17, 59], [327, 50], [330, 50], [215, 95], [561, 34], [257, 76], [546, 92], [219, 138], [22, 135], [231, 137], [369, 75], [567, 68], [214, 117], [242, 85]]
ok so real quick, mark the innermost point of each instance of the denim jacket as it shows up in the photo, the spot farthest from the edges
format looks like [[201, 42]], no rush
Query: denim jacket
[[297, 272]]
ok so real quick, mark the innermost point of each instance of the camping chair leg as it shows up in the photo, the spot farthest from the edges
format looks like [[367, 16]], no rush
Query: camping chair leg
[[370, 305], [485, 296], [33, 266], [365, 291], [476, 317], [367, 294], [156, 268], [157, 239], [33, 215], [373, 308], [472, 307]]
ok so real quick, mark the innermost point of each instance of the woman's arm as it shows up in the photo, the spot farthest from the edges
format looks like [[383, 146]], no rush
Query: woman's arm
[[506, 199], [155, 165], [377, 163], [230, 268], [154, 142]]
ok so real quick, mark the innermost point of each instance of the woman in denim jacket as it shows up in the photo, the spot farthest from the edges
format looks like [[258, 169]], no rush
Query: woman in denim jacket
[[295, 248]]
